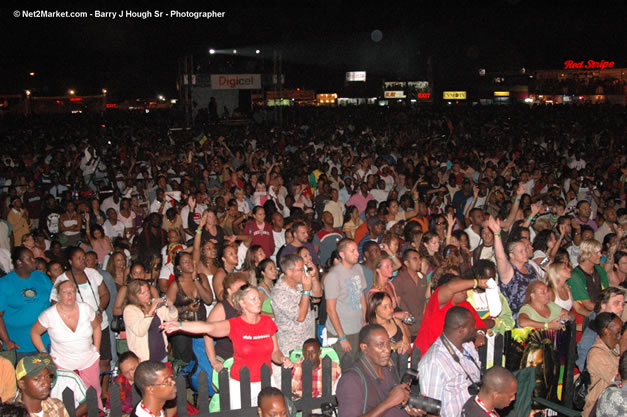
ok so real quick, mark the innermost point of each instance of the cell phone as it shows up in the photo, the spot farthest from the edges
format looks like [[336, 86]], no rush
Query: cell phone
[[545, 262]]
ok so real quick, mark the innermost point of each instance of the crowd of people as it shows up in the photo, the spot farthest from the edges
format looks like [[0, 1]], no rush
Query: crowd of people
[[128, 243]]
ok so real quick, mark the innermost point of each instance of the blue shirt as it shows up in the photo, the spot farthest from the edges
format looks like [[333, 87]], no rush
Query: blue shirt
[[21, 301]]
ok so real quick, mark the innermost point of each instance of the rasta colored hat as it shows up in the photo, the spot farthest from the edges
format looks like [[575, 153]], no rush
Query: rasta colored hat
[[33, 365]]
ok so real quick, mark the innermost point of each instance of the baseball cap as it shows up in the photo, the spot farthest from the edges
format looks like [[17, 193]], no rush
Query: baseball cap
[[33, 365]]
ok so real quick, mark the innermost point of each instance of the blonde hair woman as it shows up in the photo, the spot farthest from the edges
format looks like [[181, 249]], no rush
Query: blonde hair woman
[[254, 340], [556, 278]]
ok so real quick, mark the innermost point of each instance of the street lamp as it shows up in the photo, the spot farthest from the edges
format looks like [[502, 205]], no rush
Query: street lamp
[[71, 92], [212, 51], [257, 51], [234, 51]]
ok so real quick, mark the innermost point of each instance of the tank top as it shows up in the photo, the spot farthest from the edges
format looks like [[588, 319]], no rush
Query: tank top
[[223, 345], [183, 300], [398, 336], [565, 304], [514, 291], [266, 307]]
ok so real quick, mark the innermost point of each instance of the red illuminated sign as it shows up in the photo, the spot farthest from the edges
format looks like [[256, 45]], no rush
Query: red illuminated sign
[[111, 105], [591, 64], [76, 99], [424, 95]]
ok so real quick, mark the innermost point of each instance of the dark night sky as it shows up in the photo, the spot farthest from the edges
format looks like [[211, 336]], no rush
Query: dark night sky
[[320, 41]]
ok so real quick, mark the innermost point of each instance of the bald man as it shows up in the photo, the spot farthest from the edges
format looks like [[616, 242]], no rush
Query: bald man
[[497, 392]]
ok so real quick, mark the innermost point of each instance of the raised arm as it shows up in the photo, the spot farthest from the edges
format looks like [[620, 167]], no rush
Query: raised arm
[[505, 269]]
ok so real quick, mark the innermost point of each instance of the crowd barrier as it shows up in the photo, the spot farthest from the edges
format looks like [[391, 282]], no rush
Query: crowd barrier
[[502, 347]]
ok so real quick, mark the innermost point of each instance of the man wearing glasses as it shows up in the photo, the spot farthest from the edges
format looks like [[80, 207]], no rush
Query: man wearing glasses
[[157, 386]]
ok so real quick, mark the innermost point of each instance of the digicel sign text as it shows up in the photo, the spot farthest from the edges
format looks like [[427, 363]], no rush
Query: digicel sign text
[[236, 81], [591, 64]]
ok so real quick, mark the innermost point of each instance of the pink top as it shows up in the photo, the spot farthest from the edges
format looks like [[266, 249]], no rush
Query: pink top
[[101, 247]]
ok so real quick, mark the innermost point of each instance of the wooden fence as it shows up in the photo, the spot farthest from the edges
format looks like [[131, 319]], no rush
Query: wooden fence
[[502, 346]]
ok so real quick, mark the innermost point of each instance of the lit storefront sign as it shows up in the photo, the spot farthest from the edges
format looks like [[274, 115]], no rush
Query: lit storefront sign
[[236, 81], [591, 64], [356, 76], [501, 94], [394, 94], [454, 95]]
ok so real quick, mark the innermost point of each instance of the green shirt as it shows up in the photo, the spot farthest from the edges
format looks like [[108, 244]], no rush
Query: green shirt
[[535, 316], [584, 287]]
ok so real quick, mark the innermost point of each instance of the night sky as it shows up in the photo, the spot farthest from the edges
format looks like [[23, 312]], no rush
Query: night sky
[[319, 41]]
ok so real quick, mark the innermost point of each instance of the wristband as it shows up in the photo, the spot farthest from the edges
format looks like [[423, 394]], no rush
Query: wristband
[[497, 234], [473, 202], [198, 231], [305, 293], [561, 238], [516, 199], [341, 339], [182, 309], [180, 325], [530, 218], [546, 325], [392, 256], [43, 351], [476, 283]]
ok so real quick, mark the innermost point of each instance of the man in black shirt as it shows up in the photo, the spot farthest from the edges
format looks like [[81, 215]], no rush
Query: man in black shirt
[[498, 390]]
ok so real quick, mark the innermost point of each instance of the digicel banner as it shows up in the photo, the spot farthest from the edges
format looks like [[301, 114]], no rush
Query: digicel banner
[[236, 81]]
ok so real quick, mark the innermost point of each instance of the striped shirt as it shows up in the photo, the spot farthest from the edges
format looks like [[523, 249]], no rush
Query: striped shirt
[[441, 377]]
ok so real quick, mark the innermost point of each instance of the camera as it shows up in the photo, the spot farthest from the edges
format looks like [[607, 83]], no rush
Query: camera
[[416, 399], [474, 388]]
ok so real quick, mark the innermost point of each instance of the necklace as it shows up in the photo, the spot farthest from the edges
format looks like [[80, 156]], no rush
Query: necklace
[[65, 315]]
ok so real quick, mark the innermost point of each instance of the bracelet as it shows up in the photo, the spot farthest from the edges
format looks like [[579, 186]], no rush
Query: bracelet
[[473, 202], [305, 293], [561, 238], [476, 283], [43, 351], [546, 325], [180, 325], [341, 339], [530, 218], [199, 231], [516, 199], [497, 234], [392, 256]]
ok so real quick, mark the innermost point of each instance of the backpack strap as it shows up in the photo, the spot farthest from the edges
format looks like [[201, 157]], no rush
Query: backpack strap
[[364, 385]]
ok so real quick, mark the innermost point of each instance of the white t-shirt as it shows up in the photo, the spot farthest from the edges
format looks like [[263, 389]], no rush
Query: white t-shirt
[[69, 379], [71, 350], [279, 241], [108, 203], [113, 230], [473, 238], [86, 293], [128, 222]]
